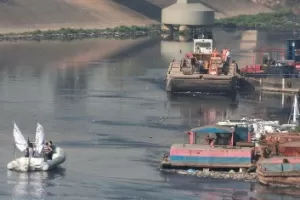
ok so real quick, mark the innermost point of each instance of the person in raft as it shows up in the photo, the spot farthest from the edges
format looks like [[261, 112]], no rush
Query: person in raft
[[47, 150], [29, 149]]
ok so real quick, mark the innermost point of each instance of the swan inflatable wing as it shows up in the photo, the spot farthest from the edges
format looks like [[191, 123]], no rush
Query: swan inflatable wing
[[39, 138], [20, 141]]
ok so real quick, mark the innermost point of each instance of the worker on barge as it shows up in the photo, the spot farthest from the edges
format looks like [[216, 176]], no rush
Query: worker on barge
[[226, 55], [210, 140]]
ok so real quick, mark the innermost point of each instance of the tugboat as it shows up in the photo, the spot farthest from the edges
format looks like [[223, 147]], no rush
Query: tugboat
[[205, 70]]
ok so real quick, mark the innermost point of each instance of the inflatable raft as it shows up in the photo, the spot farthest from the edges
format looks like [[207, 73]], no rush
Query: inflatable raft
[[32, 163], [38, 164]]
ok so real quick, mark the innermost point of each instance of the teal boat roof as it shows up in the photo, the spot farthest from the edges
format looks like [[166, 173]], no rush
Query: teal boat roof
[[212, 129]]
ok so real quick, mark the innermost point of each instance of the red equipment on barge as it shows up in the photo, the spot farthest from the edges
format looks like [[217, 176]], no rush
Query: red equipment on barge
[[275, 60]]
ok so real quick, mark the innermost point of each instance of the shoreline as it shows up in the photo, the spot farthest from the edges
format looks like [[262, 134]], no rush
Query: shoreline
[[276, 21], [119, 32]]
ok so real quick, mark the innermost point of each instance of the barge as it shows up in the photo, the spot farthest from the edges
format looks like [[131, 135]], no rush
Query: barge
[[204, 71], [211, 147], [279, 171]]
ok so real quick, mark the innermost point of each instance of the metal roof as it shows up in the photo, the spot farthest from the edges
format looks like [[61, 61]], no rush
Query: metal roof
[[212, 129]]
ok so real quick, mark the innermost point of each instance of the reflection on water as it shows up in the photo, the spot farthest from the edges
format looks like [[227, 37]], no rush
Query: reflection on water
[[200, 110], [71, 81], [32, 185]]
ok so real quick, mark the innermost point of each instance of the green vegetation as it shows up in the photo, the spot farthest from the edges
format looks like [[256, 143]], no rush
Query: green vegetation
[[297, 129], [69, 33], [279, 19]]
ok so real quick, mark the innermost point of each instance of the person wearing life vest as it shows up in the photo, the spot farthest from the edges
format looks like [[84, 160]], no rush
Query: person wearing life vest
[[47, 150], [224, 54], [215, 53]]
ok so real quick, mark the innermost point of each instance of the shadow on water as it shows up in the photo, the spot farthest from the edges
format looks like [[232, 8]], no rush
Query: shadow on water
[[157, 124], [134, 49], [110, 141]]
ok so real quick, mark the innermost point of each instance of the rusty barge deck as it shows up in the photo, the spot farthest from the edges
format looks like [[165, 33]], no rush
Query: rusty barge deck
[[177, 80]]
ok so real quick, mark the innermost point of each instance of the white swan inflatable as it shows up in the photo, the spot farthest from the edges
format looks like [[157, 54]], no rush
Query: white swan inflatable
[[35, 163]]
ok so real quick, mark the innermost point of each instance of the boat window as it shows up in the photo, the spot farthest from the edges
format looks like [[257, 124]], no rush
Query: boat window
[[223, 139], [203, 44], [236, 120]]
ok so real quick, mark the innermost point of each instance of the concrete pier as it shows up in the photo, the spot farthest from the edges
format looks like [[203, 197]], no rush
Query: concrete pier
[[186, 13]]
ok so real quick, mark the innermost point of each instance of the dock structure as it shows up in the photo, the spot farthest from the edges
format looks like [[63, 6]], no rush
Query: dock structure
[[187, 14], [273, 84]]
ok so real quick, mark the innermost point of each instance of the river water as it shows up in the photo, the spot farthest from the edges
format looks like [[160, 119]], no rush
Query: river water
[[104, 102]]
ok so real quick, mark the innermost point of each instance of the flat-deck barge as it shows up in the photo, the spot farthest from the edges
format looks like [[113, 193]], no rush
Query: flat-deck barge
[[204, 70]]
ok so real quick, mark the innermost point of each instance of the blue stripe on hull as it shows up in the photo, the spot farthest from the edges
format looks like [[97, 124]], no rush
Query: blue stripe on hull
[[210, 160]]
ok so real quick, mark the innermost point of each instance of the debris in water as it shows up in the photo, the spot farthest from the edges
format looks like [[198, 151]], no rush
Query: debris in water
[[241, 176]]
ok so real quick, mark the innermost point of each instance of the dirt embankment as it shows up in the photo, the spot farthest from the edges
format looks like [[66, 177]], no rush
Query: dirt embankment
[[230, 8], [29, 15]]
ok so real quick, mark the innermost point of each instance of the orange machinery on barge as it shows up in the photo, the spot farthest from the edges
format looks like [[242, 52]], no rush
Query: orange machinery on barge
[[205, 70]]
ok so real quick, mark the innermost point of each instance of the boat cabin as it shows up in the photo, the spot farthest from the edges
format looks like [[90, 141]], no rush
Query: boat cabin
[[203, 46], [220, 135], [210, 147]]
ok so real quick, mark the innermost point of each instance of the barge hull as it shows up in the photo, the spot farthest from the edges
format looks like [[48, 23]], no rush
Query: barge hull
[[284, 178], [279, 171], [204, 156], [199, 85], [204, 165]]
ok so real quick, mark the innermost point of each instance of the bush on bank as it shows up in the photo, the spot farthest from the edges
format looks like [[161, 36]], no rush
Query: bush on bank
[[277, 19], [120, 31]]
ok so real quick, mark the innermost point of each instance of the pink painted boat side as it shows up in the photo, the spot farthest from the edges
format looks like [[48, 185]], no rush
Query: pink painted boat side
[[211, 152]]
